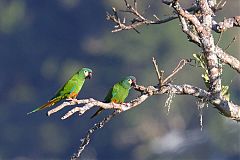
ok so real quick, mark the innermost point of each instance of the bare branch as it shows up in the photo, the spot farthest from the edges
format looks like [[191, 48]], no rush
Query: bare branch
[[86, 140], [136, 22], [226, 108], [134, 10], [121, 26], [226, 24], [192, 37], [89, 103], [189, 17], [219, 6], [159, 75], [233, 40], [179, 67], [228, 59]]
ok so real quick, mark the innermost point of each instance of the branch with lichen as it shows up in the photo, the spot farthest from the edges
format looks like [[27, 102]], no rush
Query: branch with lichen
[[226, 24], [226, 58], [164, 86]]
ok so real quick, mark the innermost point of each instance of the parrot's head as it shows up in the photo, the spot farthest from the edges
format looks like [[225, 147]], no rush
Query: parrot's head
[[86, 72], [129, 81]]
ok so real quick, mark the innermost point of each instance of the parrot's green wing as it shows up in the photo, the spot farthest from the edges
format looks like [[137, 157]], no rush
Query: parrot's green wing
[[119, 93], [116, 94], [71, 87], [111, 93]]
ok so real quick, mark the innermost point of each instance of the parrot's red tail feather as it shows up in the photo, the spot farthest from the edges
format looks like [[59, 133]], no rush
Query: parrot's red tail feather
[[48, 104]]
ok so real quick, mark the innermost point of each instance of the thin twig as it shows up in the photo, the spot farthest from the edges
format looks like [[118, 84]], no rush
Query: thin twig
[[232, 41], [135, 4], [86, 140], [180, 66], [219, 6], [219, 38], [159, 75]]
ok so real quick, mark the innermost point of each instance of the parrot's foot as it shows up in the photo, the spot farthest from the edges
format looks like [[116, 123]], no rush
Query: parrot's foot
[[124, 107], [72, 99]]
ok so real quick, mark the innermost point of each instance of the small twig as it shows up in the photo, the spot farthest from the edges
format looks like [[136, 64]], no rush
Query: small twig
[[135, 4], [137, 21], [81, 110], [155, 16], [64, 104], [219, 6], [85, 141], [159, 75], [219, 38], [134, 10], [232, 41], [180, 66]]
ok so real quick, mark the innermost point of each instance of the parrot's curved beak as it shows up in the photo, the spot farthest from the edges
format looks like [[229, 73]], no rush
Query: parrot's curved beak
[[89, 76], [134, 82]]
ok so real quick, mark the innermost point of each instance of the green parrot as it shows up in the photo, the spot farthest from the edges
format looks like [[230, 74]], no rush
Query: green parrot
[[119, 92], [69, 90]]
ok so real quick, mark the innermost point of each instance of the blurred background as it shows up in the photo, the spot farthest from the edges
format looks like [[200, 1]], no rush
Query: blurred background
[[44, 42]]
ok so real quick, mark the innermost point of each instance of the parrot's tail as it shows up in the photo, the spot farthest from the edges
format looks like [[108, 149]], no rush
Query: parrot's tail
[[48, 104], [98, 112]]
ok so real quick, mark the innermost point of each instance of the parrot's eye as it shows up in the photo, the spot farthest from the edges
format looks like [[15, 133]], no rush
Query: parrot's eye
[[85, 73], [130, 81]]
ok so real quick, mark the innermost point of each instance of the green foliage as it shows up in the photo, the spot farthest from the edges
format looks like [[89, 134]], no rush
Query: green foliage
[[201, 61]]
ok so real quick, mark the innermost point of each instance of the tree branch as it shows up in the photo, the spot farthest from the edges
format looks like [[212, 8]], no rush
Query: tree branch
[[86, 140], [121, 25], [226, 108], [226, 24], [191, 36], [228, 59]]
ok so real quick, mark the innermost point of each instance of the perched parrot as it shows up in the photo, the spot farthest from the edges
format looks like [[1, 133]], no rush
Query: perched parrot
[[119, 92], [69, 90]]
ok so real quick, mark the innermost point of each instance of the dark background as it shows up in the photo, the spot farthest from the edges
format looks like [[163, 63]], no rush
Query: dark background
[[44, 42]]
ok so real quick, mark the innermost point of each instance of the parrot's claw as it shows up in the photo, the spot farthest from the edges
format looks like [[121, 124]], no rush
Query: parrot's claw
[[72, 99], [125, 107]]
